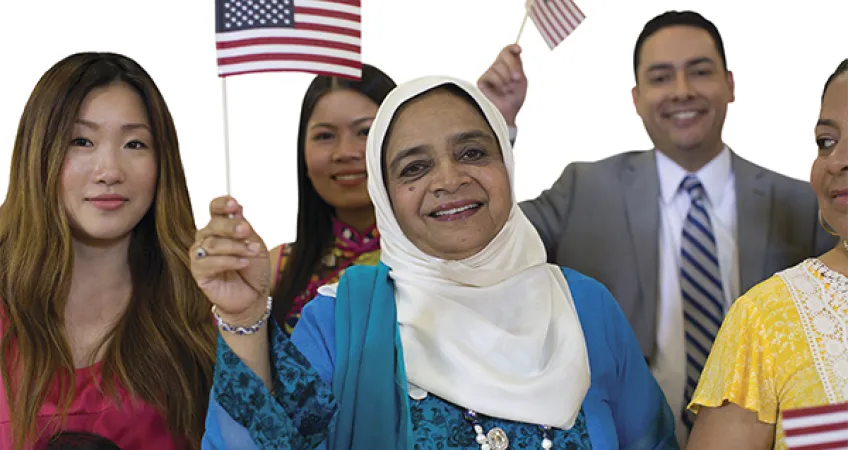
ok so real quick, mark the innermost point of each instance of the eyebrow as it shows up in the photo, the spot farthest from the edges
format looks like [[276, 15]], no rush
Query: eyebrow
[[406, 153], [466, 136], [690, 63], [354, 123], [128, 126], [458, 138], [827, 123]]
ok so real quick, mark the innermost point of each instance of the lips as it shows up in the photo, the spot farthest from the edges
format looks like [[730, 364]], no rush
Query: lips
[[108, 202], [684, 117], [455, 210], [838, 193], [350, 177]]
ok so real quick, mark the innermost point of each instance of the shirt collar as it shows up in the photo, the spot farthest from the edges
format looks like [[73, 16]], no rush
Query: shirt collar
[[713, 176]]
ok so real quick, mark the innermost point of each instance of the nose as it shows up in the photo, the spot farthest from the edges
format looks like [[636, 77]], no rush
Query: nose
[[682, 87], [107, 165], [350, 149], [449, 177], [837, 161]]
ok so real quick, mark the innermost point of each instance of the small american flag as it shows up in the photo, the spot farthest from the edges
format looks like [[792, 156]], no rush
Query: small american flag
[[315, 36], [817, 428], [555, 19]]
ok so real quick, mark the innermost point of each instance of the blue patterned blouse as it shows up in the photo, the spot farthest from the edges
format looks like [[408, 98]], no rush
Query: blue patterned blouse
[[624, 408]]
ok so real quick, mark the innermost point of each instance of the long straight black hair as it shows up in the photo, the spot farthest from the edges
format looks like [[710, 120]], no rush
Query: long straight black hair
[[314, 214]]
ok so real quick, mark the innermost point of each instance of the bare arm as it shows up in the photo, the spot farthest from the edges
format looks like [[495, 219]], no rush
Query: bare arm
[[730, 427]]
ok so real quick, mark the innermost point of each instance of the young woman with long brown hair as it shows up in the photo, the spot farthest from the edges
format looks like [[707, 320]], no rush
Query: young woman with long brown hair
[[103, 328]]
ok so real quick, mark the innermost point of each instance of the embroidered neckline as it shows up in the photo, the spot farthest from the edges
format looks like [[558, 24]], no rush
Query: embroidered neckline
[[820, 295]]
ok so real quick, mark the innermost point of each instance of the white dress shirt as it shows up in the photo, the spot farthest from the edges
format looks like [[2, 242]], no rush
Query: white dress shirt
[[669, 366]]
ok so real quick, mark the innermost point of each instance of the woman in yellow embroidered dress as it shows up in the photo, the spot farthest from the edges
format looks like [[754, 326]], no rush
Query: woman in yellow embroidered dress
[[335, 219], [783, 344]]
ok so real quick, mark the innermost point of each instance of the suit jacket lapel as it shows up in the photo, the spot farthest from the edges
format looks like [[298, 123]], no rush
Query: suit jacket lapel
[[641, 197], [753, 217]]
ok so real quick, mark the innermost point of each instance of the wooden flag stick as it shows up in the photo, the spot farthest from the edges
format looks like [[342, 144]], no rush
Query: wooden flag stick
[[524, 22], [226, 134]]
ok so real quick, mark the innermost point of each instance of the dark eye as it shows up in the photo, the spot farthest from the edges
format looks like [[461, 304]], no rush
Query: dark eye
[[364, 132], [136, 145], [825, 143], [322, 136], [703, 72], [473, 154], [81, 142], [657, 79], [413, 169]]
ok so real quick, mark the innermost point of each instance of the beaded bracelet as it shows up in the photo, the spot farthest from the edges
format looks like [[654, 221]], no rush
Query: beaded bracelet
[[238, 330]]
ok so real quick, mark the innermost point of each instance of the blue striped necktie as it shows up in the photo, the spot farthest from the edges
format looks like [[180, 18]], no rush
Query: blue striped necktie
[[701, 288]]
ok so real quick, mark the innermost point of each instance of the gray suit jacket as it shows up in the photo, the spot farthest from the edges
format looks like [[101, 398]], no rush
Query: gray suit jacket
[[602, 219]]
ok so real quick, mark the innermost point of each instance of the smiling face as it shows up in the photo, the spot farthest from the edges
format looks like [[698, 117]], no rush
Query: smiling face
[[683, 91], [445, 176], [829, 174], [335, 148], [110, 168]]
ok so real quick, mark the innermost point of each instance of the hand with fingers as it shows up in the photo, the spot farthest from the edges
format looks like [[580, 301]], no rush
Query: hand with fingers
[[229, 262], [505, 84]]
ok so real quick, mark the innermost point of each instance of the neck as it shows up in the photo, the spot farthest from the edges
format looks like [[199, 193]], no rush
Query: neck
[[694, 158], [837, 259], [101, 284], [360, 219]]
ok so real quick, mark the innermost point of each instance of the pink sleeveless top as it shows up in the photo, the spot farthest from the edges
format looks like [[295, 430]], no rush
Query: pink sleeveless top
[[132, 425]]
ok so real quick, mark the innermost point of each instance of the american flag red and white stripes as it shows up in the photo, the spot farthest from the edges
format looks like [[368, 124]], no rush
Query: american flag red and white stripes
[[555, 19], [817, 428], [314, 36]]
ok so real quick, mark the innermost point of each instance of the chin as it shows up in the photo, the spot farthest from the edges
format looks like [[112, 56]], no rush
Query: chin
[[102, 235]]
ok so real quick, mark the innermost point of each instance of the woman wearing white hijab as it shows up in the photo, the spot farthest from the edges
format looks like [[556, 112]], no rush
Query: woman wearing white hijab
[[462, 337]]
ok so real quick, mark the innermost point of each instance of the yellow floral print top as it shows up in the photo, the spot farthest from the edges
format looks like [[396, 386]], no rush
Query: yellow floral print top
[[782, 346]]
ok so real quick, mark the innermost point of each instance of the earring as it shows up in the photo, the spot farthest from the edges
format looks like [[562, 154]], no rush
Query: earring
[[825, 226]]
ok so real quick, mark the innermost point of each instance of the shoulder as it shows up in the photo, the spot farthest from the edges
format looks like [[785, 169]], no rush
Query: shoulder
[[320, 309], [782, 183], [599, 178], [596, 307], [766, 306], [613, 162]]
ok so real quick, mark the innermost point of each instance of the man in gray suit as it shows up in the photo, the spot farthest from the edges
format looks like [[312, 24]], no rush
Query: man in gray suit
[[676, 233]]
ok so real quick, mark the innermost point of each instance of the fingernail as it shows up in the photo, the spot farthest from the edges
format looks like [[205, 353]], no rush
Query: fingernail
[[253, 247], [241, 228], [515, 76], [231, 203], [244, 262]]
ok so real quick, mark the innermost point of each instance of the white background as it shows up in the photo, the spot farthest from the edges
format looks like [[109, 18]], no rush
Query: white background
[[578, 106]]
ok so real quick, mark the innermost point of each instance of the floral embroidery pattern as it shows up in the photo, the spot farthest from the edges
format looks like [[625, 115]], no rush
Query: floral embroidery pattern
[[350, 248], [299, 414], [821, 297]]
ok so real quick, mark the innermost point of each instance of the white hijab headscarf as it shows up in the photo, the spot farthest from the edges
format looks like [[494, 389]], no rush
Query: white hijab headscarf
[[497, 332]]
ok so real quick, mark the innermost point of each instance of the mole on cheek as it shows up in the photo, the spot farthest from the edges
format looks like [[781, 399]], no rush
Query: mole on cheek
[[412, 189]]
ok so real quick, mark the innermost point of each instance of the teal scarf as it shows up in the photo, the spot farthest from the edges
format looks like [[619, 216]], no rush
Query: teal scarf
[[369, 361]]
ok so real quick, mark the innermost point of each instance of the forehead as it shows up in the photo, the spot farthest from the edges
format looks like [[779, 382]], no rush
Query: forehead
[[342, 105], [835, 101], [432, 118], [677, 45], [113, 102]]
